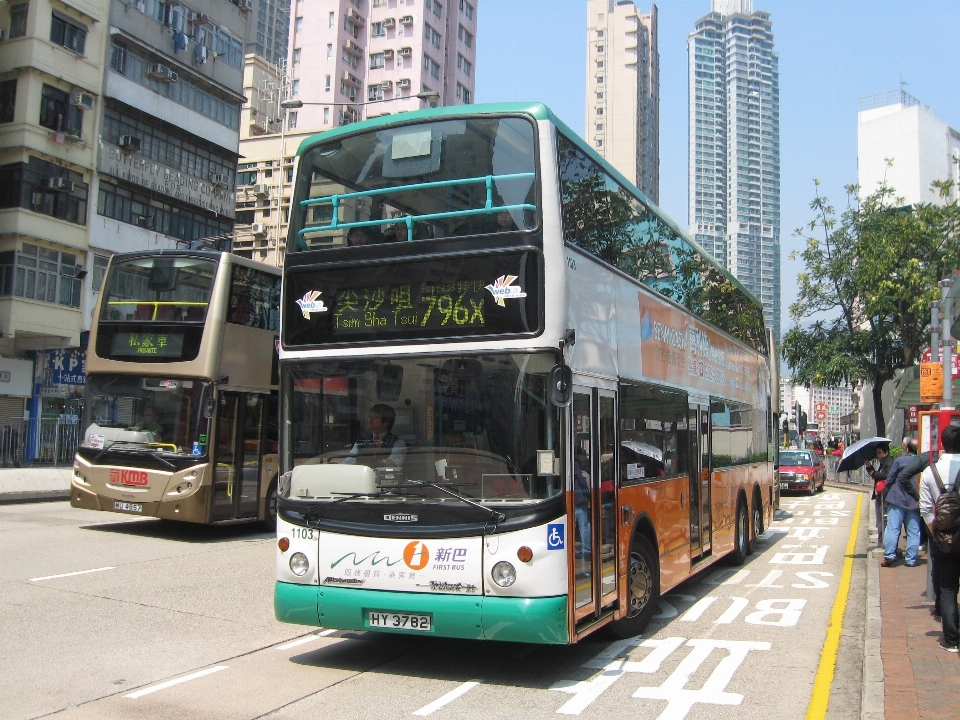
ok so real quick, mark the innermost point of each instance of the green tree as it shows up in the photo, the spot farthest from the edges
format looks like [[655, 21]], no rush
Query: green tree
[[867, 286]]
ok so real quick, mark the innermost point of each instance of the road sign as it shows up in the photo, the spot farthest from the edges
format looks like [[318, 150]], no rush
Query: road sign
[[931, 382], [821, 416], [927, 355]]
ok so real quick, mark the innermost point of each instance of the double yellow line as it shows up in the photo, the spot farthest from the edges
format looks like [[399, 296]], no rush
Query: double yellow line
[[820, 697]]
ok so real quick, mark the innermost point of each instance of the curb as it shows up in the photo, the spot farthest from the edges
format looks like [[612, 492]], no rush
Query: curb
[[33, 496], [872, 690]]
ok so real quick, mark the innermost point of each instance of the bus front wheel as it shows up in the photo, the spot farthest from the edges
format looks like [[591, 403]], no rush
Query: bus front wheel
[[269, 521], [643, 589]]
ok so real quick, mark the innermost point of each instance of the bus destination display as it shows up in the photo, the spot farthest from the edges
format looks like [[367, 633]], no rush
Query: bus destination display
[[454, 296], [147, 344], [430, 305]]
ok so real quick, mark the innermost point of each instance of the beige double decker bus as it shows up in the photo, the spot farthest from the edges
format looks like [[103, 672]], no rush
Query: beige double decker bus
[[180, 412]]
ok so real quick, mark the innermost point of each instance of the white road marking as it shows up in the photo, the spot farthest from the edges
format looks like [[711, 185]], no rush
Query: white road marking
[[446, 699], [171, 683], [305, 640], [79, 572]]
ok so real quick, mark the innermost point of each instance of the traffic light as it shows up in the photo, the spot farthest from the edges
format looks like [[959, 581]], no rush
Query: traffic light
[[801, 421]]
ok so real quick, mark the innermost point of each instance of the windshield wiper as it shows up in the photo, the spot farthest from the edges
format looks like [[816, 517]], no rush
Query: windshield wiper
[[313, 514], [495, 515]]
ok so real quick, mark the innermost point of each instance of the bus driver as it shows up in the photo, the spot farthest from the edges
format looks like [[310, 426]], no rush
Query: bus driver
[[383, 448]]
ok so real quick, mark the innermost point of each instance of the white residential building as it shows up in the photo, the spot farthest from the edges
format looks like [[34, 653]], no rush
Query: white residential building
[[734, 147], [623, 90], [895, 126]]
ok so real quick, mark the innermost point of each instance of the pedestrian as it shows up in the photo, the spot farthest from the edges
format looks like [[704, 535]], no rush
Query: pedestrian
[[879, 475], [902, 508], [947, 566]]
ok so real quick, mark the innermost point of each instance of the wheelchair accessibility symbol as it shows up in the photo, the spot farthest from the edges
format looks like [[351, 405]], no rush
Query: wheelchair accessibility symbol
[[555, 536]]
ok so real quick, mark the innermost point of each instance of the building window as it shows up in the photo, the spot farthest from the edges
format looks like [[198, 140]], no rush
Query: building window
[[149, 212], [379, 3], [298, 24], [378, 29], [18, 20], [333, 17], [42, 274], [8, 100], [463, 94], [296, 88], [375, 92], [326, 83], [296, 56], [58, 114], [464, 64], [68, 33], [349, 59], [292, 119], [247, 177], [348, 90], [435, 38], [326, 116], [44, 188], [437, 8], [467, 9], [100, 263], [329, 50], [376, 60], [429, 64], [465, 37]]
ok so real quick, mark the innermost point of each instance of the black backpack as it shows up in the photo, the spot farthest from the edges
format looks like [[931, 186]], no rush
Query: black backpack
[[946, 516]]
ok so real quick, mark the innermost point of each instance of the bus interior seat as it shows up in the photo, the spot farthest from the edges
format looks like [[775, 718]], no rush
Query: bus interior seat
[[326, 479]]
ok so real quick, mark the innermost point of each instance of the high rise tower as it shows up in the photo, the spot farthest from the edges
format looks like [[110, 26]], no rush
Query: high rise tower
[[734, 152], [623, 90]]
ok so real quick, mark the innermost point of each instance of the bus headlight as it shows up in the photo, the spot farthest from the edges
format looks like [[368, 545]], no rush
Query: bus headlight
[[299, 564], [504, 574]]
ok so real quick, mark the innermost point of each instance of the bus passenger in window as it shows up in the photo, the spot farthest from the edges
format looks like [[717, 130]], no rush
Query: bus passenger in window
[[382, 448], [359, 236], [505, 222]]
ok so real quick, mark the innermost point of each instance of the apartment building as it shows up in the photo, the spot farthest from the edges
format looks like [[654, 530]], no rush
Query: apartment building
[[623, 90], [349, 60], [895, 125], [353, 59], [734, 146], [268, 34]]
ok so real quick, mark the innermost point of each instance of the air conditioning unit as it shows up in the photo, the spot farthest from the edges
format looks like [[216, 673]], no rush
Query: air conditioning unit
[[406, 52], [162, 72], [82, 100], [261, 190], [406, 20], [59, 183], [130, 142], [246, 5], [141, 221], [389, 22], [387, 85], [220, 180], [258, 229], [403, 84], [387, 54]]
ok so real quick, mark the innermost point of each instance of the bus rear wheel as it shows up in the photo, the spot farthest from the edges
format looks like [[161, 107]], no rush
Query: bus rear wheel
[[643, 590], [742, 537]]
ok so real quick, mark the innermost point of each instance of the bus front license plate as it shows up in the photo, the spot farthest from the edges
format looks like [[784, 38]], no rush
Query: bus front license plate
[[399, 621], [784, 486], [129, 507]]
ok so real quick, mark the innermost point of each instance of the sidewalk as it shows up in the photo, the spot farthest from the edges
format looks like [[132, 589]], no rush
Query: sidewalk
[[34, 484], [920, 680]]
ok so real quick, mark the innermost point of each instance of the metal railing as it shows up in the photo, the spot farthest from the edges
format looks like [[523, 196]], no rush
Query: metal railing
[[488, 208], [57, 440], [12, 443]]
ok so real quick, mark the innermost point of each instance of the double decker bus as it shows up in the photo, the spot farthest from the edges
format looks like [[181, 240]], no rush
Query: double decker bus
[[181, 405], [517, 401]]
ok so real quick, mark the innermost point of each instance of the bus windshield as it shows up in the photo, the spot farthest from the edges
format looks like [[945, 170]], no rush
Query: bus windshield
[[131, 412], [158, 289], [475, 425], [429, 180]]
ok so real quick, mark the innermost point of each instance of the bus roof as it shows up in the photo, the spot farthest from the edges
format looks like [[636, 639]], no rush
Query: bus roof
[[538, 111]]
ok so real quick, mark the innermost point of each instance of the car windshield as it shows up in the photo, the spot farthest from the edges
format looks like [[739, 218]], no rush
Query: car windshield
[[416, 182], [796, 459], [158, 289], [482, 427], [135, 412]]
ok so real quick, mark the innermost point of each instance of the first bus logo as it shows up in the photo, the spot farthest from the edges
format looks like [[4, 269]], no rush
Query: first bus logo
[[128, 477]]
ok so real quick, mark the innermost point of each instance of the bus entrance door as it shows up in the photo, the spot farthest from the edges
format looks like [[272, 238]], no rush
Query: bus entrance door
[[238, 452], [698, 419], [594, 481]]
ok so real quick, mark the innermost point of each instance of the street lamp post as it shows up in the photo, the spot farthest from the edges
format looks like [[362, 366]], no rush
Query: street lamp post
[[296, 103]]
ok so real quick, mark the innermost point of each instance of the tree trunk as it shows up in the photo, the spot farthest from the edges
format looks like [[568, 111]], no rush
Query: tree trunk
[[876, 392]]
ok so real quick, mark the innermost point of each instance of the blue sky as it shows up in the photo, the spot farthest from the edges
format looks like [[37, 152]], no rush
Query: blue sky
[[831, 54]]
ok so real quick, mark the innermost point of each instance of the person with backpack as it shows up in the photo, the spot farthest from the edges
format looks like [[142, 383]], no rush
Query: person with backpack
[[940, 509]]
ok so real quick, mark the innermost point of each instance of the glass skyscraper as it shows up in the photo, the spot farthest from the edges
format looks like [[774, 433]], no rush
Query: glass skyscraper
[[734, 153]]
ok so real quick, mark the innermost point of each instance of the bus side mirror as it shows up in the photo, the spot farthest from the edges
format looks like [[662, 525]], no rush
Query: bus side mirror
[[209, 407], [561, 385]]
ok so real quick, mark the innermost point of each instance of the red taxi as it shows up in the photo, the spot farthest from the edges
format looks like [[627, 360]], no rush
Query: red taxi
[[802, 471]]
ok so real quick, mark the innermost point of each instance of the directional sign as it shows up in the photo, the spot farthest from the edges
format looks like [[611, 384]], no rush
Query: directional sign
[[931, 382], [927, 356]]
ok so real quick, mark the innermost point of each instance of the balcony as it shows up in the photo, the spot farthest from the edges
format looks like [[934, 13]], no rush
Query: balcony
[[356, 18]]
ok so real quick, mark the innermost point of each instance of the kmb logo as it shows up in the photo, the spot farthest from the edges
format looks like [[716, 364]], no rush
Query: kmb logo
[[128, 477]]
